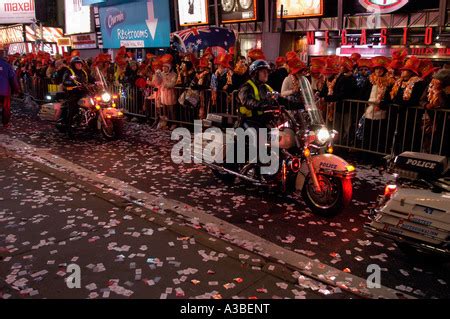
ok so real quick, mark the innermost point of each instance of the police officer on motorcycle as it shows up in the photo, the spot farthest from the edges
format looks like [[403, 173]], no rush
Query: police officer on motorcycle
[[75, 80], [253, 96]]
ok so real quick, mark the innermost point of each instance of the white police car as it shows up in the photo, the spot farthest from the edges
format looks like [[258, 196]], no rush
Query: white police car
[[415, 210]]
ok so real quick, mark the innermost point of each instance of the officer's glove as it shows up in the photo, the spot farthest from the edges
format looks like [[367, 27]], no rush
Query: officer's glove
[[263, 105]]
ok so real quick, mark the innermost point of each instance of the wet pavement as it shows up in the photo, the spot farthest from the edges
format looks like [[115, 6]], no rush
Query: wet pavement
[[142, 159]]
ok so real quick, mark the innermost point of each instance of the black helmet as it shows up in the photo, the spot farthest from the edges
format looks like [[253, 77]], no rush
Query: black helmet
[[258, 65], [76, 59]]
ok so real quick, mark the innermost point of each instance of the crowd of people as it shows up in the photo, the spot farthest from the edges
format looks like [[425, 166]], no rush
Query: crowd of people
[[174, 80]]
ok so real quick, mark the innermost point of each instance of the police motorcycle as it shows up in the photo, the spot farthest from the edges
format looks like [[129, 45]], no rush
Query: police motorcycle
[[98, 110], [306, 167], [414, 210]]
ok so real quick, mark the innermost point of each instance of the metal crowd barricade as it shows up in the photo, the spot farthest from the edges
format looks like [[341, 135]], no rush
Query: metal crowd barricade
[[414, 128], [143, 103]]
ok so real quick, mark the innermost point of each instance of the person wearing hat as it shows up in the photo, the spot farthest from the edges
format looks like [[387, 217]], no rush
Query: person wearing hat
[[166, 81], [239, 75], [437, 97], [406, 92], [374, 125], [255, 54], [291, 86], [362, 70], [277, 77], [186, 73], [201, 83], [408, 89], [221, 78], [316, 68], [8, 87], [342, 87], [355, 57]]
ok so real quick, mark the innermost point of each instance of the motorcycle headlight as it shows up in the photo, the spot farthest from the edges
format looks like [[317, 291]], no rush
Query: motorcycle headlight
[[106, 97], [323, 135]]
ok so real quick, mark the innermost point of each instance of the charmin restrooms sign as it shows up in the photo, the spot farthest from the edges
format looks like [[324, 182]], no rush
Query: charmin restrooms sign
[[17, 11], [139, 24], [383, 6]]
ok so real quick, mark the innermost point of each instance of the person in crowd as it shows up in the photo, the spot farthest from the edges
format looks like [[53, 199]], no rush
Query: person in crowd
[[277, 77], [374, 125], [186, 74], [362, 79], [155, 85], [50, 70], [340, 88], [166, 81], [201, 83], [61, 68], [291, 89], [255, 54], [406, 92], [316, 77], [398, 60], [131, 74], [408, 89], [355, 57], [330, 72], [221, 78], [8, 87], [239, 75], [435, 126]]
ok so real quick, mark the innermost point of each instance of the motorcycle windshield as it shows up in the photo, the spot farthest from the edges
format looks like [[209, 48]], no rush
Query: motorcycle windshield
[[309, 102], [100, 80]]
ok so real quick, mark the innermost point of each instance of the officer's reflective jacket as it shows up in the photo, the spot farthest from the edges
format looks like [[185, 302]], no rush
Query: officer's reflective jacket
[[251, 97]]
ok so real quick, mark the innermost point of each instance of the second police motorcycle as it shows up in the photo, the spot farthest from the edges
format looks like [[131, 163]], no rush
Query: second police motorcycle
[[98, 110]]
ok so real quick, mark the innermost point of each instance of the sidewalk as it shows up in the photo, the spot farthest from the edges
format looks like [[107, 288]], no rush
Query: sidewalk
[[48, 221]]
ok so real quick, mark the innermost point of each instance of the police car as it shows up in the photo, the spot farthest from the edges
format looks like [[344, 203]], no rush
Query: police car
[[415, 209]]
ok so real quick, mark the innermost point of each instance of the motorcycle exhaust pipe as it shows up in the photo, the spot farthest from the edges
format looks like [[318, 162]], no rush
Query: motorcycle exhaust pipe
[[223, 169]]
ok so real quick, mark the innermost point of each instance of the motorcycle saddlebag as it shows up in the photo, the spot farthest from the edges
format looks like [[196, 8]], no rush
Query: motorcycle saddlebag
[[50, 111], [220, 120], [420, 163]]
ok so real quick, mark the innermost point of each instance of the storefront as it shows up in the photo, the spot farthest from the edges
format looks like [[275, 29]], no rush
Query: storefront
[[369, 28], [243, 18], [80, 28], [24, 39]]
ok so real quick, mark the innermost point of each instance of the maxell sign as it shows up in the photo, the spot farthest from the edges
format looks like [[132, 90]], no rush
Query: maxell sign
[[17, 11]]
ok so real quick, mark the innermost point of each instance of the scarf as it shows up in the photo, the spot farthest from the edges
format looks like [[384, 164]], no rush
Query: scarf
[[382, 82], [406, 85], [434, 90], [331, 85]]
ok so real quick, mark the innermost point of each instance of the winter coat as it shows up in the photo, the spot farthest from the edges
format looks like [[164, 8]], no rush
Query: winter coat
[[344, 88], [8, 80], [276, 78], [166, 83]]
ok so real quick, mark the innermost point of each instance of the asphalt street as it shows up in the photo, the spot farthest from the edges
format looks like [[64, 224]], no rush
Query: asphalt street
[[142, 160]]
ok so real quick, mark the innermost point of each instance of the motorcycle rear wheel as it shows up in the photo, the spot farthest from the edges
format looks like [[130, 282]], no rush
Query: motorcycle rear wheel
[[224, 176], [335, 196]]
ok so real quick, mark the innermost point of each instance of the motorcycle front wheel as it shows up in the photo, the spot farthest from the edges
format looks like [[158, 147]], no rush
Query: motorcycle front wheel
[[113, 129], [335, 194]]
